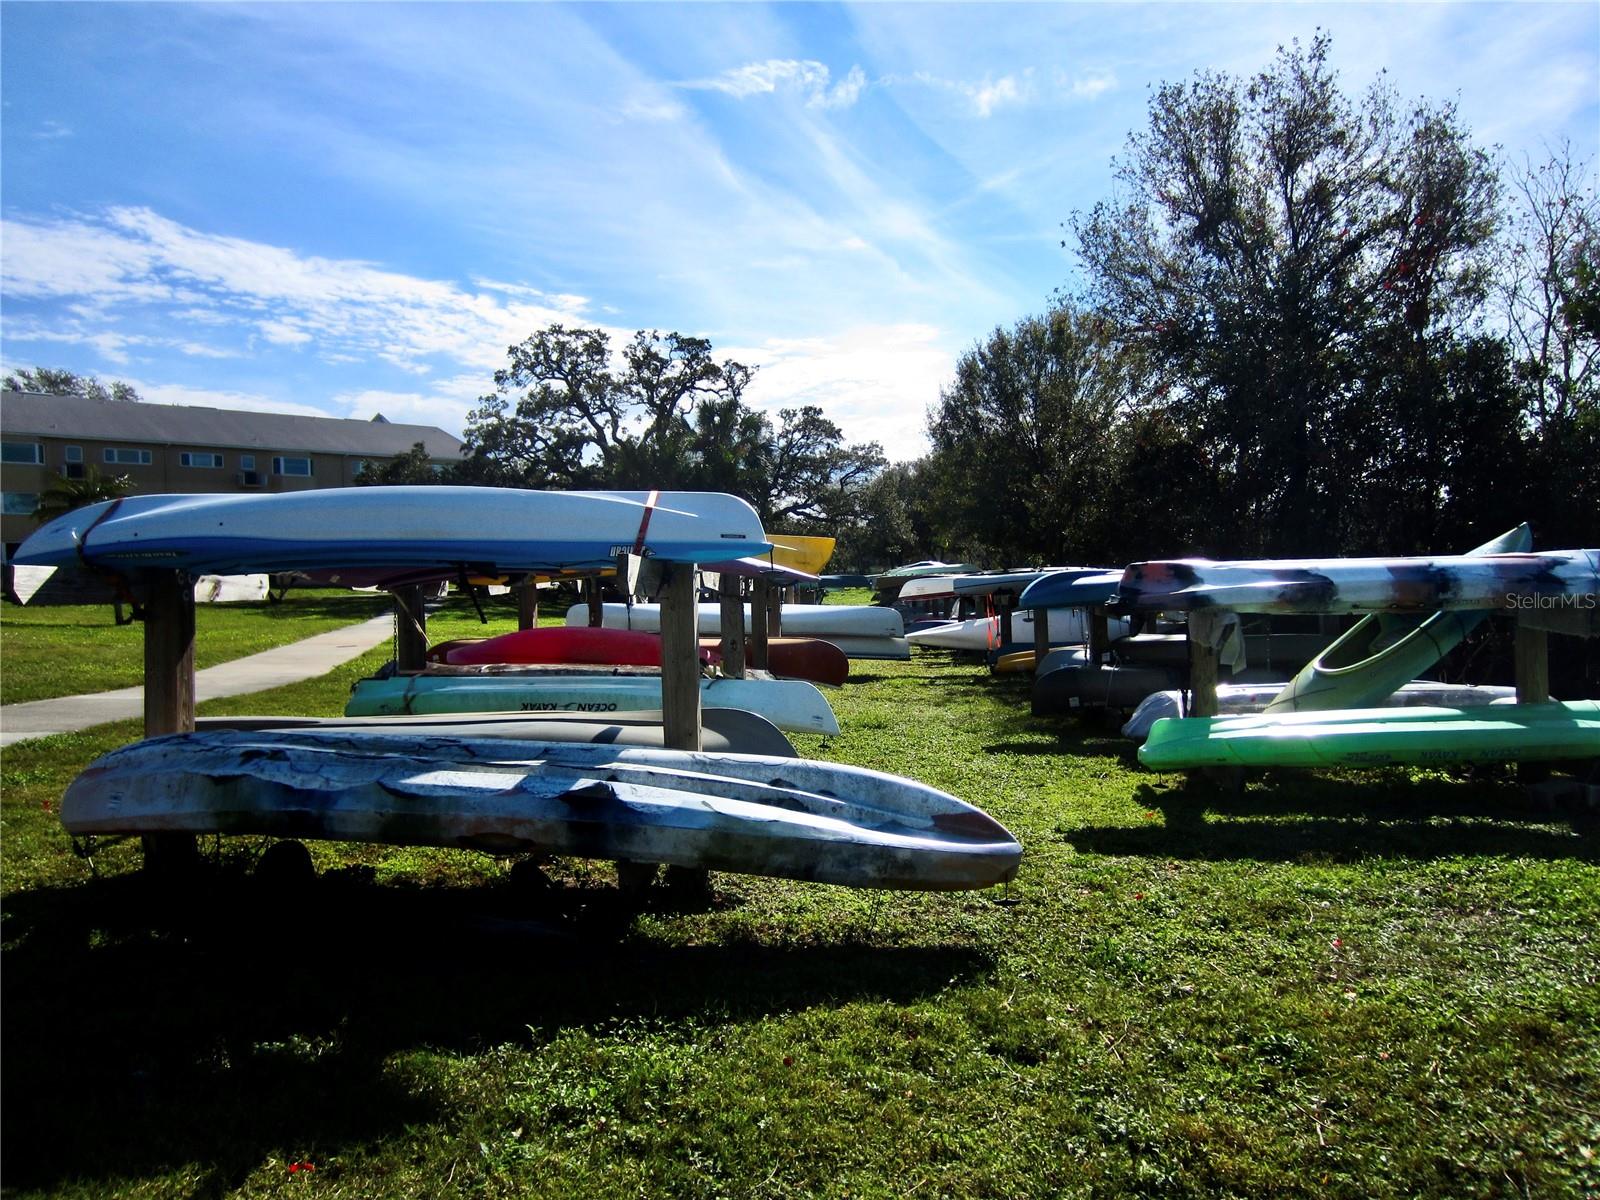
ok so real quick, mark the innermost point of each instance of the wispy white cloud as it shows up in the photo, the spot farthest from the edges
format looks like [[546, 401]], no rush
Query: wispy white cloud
[[131, 263], [1090, 85], [811, 80], [50, 131]]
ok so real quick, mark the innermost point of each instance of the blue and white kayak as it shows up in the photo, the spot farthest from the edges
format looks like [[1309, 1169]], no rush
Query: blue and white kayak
[[1079, 587], [784, 817], [489, 530]]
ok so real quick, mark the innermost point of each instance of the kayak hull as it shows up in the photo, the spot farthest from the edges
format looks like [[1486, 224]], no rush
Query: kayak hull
[[799, 620], [790, 818], [1240, 699], [1383, 651], [790, 704], [1341, 585], [725, 730], [395, 528], [1375, 737]]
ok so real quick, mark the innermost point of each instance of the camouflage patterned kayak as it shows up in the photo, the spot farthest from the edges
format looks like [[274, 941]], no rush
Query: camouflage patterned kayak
[[1385, 651], [1341, 585], [785, 817], [1378, 737]]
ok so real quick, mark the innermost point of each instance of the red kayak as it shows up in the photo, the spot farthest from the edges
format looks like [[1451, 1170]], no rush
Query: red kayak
[[559, 644], [791, 658], [800, 658]]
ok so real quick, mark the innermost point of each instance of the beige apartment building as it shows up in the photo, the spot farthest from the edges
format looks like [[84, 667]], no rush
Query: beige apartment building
[[178, 448]]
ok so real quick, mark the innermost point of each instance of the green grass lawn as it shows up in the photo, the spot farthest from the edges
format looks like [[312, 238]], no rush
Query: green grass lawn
[[71, 650], [1373, 985]]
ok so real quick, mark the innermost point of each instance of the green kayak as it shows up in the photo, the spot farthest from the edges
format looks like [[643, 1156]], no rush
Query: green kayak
[[1378, 737]]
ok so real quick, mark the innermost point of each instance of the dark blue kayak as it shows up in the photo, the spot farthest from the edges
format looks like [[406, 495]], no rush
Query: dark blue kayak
[[1078, 587]]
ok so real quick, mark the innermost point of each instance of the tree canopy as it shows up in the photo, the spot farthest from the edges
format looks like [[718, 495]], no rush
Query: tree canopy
[[1284, 343], [663, 412], [1280, 253], [49, 381]]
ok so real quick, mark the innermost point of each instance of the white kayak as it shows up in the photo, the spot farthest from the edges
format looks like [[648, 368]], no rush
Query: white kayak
[[799, 620], [791, 704], [891, 648], [784, 817], [985, 633]]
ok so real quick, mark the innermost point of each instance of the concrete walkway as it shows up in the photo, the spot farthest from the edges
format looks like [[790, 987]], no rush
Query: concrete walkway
[[271, 668]]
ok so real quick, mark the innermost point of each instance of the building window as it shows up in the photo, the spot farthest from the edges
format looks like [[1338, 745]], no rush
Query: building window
[[21, 452], [191, 458], [18, 504], [247, 462], [74, 454], [291, 466], [122, 456]]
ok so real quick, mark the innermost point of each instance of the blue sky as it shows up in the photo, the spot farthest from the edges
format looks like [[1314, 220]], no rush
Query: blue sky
[[347, 209]]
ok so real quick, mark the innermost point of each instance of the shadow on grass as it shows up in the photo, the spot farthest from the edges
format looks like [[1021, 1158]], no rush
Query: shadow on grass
[[1288, 816], [146, 1029]]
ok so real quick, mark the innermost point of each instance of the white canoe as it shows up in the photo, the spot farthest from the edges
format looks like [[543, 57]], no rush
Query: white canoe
[[791, 704], [890, 648], [985, 633], [785, 817], [824, 621]]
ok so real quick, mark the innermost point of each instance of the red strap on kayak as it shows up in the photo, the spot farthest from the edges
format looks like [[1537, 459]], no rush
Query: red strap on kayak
[[644, 524]]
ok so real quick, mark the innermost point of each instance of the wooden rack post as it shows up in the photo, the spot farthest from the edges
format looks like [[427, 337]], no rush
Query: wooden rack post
[[774, 611], [1041, 635], [1532, 665], [597, 607], [1007, 606], [169, 654], [731, 594], [680, 658], [410, 629], [169, 696], [758, 623], [1202, 680], [528, 605], [1099, 635]]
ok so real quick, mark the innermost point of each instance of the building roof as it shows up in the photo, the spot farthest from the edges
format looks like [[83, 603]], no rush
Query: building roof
[[30, 414]]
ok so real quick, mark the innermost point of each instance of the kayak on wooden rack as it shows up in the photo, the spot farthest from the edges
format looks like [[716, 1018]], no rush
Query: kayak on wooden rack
[[790, 704], [799, 620], [402, 528], [1383, 651], [727, 730], [559, 644], [982, 633], [1341, 585], [1239, 699], [784, 817], [1375, 737]]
